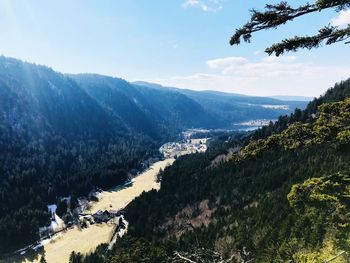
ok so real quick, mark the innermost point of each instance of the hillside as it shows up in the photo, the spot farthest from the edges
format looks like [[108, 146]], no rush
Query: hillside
[[284, 197], [154, 112], [55, 141], [63, 135], [292, 98], [232, 108]]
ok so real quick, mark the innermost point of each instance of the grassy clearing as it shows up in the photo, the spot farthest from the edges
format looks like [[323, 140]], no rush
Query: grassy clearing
[[119, 197], [86, 240]]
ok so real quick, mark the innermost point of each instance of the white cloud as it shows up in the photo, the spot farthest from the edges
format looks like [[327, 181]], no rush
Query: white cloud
[[343, 19], [265, 76], [226, 62], [267, 66], [204, 5]]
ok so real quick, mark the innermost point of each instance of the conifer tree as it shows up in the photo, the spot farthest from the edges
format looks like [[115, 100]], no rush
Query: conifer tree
[[42, 259], [275, 15]]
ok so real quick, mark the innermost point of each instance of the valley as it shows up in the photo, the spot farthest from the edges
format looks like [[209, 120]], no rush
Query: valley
[[58, 247], [71, 167], [118, 126], [119, 197], [189, 131]]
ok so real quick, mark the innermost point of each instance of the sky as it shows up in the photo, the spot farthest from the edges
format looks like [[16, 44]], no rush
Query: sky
[[181, 43]]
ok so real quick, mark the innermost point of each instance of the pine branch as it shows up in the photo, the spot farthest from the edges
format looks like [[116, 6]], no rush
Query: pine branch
[[279, 14], [274, 16], [328, 35]]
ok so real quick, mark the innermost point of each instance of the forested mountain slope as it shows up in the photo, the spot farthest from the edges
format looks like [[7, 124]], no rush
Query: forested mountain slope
[[55, 140], [123, 100], [64, 134], [283, 198], [232, 108], [35, 98], [157, 111], [151, 111]]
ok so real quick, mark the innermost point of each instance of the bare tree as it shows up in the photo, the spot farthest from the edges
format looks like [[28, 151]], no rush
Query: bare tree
[[203, 255]]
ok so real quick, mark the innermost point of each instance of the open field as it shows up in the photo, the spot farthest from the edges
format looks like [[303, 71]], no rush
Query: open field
[[86, 240], [119, 197]]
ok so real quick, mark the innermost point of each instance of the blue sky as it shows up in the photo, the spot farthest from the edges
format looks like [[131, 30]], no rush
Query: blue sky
[[182, 43]]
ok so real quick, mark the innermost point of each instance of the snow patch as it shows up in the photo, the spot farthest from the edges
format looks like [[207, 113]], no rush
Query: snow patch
[[52, 209]]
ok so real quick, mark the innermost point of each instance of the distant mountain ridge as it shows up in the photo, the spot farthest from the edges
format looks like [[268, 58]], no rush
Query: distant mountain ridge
[[37, 100], [63, 134], [60, 101], [151, 111], [292, 98], [230, 108]]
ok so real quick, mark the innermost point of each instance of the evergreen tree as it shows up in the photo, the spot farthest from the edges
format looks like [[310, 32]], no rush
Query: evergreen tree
[[75, 257], [61, 208], [276, 15], [42, 259]]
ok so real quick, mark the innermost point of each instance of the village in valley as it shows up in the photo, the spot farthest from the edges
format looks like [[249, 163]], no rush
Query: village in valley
[[188, 145], [76, 214], [105, 208], [72, 211], [176, 149]]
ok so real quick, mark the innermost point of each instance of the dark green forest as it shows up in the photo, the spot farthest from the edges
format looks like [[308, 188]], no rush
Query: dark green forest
[[63, 135], [284, 197], [54, 141]]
